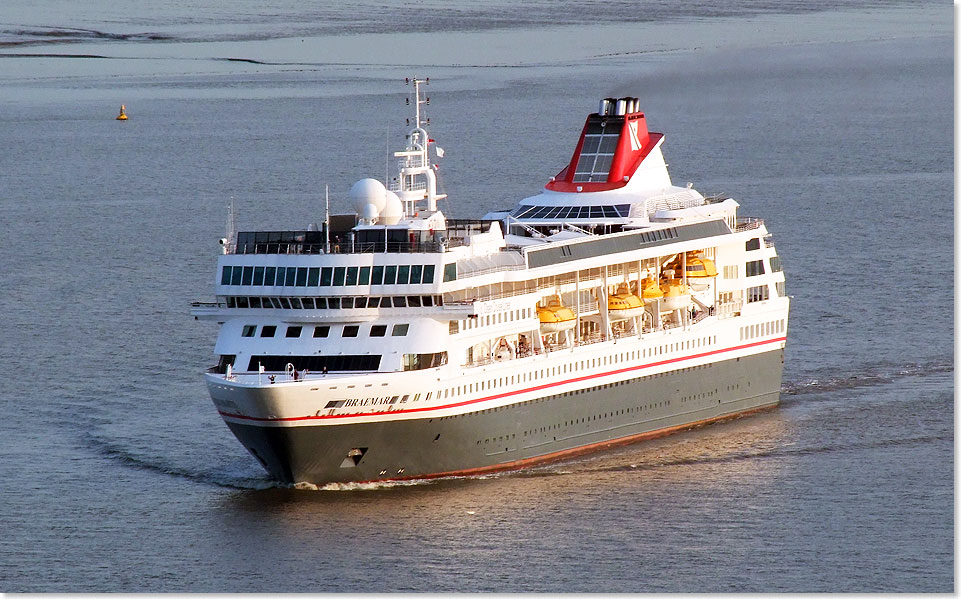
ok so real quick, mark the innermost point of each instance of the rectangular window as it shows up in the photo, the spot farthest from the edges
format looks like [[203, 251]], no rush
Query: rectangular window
[[248, 275], [415, 273], [377, 275], [757, 294], [255, 302], [781, 291], [270, 275], [753, 244], [268, 330], [428, 276], [291, 277], [333, 303], [351, 275], [302, 276], [378, 330], [400, 330], [249, 330], [364, 277], [400, 302], [284, 303], [775, 263], [326, 275], [450, 272], [295, 302], [321, 331], [339, 272], [235, 276], [225, 277], [754, 268], [313, 276], [308, 303], [351, 330], [321, 303], [294, 331], [390, 275], [403, 275], [258, 276], [730, 272], [413, 301]]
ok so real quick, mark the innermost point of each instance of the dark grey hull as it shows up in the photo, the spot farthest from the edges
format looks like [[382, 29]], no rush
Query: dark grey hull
[[518, 435]]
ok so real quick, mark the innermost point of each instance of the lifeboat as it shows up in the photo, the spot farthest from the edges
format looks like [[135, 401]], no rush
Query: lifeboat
[[651, 290], [676, 295], [624, 304], [695, 265], [556, 316]]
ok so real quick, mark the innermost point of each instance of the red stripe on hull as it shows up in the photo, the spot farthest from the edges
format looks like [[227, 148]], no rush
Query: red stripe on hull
[[506, 394]]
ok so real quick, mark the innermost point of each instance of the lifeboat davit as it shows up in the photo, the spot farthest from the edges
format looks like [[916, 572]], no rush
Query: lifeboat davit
[[624, 304], [556, 317], [676, 295]]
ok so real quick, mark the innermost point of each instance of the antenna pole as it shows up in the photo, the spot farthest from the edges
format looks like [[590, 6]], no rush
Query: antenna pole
[[326, 219]]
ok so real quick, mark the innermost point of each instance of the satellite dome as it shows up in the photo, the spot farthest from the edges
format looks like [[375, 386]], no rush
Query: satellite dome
[[393, 210], [368, 192]]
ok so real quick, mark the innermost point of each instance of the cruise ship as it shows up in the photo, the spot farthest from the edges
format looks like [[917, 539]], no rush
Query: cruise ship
[[397, 343]]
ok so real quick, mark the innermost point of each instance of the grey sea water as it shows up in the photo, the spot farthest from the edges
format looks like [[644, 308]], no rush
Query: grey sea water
[[831, 120]]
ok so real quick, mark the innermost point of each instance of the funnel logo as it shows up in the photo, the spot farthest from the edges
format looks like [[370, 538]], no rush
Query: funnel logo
[[635, 138]]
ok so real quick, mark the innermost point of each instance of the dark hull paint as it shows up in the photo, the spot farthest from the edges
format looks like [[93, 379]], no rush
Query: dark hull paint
[[522, 434]]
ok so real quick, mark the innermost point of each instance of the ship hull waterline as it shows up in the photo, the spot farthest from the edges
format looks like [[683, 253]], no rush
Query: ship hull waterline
[[517, 436]]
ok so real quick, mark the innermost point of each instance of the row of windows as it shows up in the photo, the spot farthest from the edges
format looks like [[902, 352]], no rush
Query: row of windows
[[579, 366], [773, 327], [327, 276], [315, 363], [319, 331], [758, 294], [335, 303]]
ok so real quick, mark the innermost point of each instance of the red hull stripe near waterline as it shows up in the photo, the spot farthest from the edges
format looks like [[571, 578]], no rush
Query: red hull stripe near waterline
[[506, 393]]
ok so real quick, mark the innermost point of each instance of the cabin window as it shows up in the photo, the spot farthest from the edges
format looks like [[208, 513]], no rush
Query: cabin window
[[351, 275], [351, 330], [415, 273], [268, 330], [775, 264], [270, 275], [248, 275], [403, 275], [363, 278], [428, 275], [225, 276], [754, 268], [321, 331], [290, 277], [450, 272], [249, 330], [757, 294], [400, 330], [293, 331], [378, 330], [400, 302], [339, 273], [753, 244], [326, 276], [236, 275], [390, 275], [313, 276], [377, 275]]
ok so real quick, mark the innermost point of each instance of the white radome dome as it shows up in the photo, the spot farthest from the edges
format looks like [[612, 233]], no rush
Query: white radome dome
[[393, 210], [368, 192]]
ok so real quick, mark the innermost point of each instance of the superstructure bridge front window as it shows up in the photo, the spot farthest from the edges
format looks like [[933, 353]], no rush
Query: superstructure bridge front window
[[572, 212], [328, 276]]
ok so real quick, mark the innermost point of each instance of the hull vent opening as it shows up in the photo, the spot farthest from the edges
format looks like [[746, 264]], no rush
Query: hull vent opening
[[354, 456]]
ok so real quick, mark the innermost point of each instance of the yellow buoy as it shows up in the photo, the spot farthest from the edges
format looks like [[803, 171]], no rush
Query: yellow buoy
[[123, 115]]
